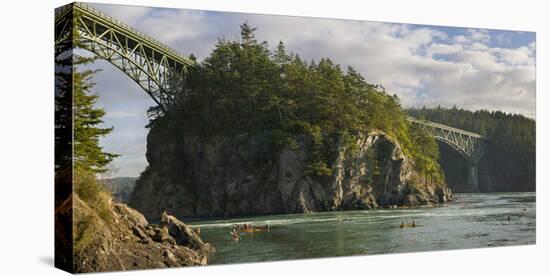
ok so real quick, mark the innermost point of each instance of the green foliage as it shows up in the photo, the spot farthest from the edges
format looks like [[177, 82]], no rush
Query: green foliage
[[88, 158], [92, 192], [94, 214], [244, 87], [426, 155], [88, 154], [317, 164]]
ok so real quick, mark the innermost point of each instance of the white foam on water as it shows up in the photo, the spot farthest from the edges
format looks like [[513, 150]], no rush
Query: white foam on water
[[464, 209]]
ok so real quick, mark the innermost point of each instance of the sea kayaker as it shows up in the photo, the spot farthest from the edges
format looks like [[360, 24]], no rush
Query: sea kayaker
[[414, 224], [234, 235]]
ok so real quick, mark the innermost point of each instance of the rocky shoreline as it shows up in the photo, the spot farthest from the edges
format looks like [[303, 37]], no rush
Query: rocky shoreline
[[128, 241]]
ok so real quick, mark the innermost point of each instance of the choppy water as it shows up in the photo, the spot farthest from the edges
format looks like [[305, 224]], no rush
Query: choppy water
[[471, 221]]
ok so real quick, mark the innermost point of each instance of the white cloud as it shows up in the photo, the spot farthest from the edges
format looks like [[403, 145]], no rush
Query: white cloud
[[442, 49], [423, 65], [479, 46], [411, 61], [479, 35], [519, 56], [461, 39], [128, 14]]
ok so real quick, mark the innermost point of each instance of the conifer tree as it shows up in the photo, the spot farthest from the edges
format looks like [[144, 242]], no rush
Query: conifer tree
[[88, 154]]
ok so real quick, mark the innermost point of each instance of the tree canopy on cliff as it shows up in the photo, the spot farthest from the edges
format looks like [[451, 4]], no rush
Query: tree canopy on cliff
[[244, 87]]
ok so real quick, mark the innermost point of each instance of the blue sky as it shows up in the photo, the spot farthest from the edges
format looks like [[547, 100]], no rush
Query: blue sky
[[423, 65]]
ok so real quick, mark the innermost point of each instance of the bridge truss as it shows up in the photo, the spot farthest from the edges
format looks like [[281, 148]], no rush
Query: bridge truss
[[471, 146], [155, 67]]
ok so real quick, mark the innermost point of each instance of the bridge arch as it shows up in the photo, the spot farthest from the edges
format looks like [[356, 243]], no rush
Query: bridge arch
[[155, 67], [469, 145]]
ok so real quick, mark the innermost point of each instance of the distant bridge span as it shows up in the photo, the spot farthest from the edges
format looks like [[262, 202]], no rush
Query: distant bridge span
[[471, 146]]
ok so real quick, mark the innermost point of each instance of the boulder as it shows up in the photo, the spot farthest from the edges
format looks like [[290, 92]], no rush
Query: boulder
[[183, 234], [444, 194], [128, 241]]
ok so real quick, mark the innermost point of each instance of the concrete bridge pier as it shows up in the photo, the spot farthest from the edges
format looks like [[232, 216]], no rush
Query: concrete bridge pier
[[473, 177]]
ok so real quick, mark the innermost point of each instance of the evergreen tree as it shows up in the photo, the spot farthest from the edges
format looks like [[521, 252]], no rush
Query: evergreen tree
[[244, 88], [88, 154], [280, 56]]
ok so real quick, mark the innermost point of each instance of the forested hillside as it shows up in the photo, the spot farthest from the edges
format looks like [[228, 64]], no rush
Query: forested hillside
[[245, 87], [510, 162]]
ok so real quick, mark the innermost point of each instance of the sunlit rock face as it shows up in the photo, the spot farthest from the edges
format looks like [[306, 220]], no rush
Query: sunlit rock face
[[127, 240]]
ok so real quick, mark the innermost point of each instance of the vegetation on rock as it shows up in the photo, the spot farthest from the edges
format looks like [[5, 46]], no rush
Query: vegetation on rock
[[245, 88]]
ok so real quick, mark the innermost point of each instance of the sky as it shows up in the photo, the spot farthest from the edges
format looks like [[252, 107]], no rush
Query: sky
[[424, 65]]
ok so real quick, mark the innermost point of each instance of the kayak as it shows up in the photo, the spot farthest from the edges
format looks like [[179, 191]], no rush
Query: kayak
[[409, 225], [252, 230]]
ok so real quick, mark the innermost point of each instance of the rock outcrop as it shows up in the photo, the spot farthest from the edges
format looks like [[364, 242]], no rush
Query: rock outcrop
[[123, 239], [195, 177]]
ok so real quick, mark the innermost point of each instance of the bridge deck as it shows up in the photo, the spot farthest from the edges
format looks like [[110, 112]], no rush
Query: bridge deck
[[127, 30], [432, 124]]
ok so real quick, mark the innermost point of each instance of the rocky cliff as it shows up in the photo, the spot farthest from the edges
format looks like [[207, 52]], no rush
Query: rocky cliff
[[191, 176], [123, 239]]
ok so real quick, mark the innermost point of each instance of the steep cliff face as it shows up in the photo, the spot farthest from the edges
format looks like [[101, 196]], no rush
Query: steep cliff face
[[193, 177], [127, 241]]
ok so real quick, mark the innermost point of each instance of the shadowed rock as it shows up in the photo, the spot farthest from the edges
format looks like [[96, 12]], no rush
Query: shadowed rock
[[241, 175]]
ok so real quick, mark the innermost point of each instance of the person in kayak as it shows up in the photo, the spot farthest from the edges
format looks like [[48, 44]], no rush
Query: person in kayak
[[235, 235]]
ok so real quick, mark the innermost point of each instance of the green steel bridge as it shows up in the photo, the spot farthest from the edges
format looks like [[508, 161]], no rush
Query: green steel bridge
[[471, 146], [153, 66]]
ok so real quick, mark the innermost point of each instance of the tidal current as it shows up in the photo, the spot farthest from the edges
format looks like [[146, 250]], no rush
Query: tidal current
[[470, 221]]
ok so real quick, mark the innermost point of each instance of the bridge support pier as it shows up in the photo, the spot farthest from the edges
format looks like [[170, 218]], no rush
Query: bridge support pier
[[471, 146], [473, 177]]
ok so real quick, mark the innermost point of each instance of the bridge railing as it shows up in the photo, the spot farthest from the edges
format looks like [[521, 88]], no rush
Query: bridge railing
[[127, 28], [436, 125]]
